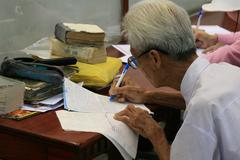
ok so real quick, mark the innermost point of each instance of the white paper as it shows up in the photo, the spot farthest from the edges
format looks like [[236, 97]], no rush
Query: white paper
[[94, 113], [77, 98], [125, 49], [52, 100], [41, 48], [77, 121], [211, 29], [42, 108]]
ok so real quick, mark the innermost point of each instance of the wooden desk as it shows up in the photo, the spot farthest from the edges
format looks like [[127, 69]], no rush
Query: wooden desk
[[41, 137], [217, 18]]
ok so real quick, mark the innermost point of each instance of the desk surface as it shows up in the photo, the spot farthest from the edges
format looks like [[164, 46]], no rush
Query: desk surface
[[44, 133], [21, 139], [47, 127]]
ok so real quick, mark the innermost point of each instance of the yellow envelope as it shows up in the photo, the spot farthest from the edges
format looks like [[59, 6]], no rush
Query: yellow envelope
[[97, 75]]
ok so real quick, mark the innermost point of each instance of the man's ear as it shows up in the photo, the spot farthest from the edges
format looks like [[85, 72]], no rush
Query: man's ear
[[156, 58]]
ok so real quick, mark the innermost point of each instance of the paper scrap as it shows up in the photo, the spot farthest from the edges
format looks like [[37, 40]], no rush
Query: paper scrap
[[125, 49]]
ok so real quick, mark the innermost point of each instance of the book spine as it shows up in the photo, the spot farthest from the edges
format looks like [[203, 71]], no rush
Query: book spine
[[61, 32]]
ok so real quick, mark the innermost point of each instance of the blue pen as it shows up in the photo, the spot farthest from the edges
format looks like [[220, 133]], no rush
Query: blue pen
[[200, 14], [120, 79]]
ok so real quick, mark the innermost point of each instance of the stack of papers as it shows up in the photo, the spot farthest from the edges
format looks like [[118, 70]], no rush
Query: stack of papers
[[94, 113], [45, 105]]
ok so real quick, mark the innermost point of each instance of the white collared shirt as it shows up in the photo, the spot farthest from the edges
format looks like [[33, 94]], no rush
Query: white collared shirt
[[211, 127]]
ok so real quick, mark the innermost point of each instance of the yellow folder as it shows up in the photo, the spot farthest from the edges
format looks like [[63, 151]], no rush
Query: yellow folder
[[97, 75]]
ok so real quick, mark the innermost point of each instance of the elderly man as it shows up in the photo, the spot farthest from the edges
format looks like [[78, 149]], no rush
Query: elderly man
[[163, 48]]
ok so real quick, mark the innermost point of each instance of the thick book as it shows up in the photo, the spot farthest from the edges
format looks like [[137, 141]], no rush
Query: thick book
[[74, 33], [36, 90], [11, 94], [85, 54]]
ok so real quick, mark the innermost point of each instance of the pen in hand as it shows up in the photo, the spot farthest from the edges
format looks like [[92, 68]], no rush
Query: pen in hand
[[200, 14], [120, 80]]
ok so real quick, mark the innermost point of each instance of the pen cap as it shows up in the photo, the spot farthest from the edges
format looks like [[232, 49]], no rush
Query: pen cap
[[133, 62], [200, 13]]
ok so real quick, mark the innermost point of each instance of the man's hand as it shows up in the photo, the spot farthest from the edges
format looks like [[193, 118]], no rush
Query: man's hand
[[128, 91], [140, 121], [203, 39]]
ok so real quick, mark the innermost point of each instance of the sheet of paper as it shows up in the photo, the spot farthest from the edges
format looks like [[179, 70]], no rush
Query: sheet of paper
[[42, 108], [94, 113], [211, 29], [52, 100], [125, 49], [41, 48], [114, 131], [77, 98]]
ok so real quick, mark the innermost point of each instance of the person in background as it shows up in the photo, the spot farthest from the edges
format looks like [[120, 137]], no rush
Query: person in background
[[163, 47], [221, 47]]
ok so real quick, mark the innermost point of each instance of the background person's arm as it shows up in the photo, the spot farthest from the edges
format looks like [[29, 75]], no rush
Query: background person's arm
[[226, 53], [228, 38]]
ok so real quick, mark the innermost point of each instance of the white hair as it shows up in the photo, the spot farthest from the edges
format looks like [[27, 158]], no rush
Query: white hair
[[160, 25]]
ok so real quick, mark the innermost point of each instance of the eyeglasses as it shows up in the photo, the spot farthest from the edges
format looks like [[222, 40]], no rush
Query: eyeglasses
[[132, 61]]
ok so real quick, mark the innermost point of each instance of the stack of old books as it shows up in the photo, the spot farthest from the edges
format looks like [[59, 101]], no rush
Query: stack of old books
[[83, 41]]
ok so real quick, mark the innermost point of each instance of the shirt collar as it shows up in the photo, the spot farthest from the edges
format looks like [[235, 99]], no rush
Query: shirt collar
[[191, 76]]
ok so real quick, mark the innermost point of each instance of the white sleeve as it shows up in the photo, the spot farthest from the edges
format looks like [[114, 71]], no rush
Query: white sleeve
[[193, 143], [228, 132], [196, 139]]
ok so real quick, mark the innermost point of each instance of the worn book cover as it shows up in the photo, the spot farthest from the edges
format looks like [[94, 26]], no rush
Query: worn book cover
[[85, 54], [75, 33]]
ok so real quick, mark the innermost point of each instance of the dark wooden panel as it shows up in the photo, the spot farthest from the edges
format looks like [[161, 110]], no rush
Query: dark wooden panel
[[61, 154], [217, 18], [14, 147], [125, 6]]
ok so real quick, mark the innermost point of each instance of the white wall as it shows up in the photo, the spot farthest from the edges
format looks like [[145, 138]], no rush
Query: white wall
[[23, 22]]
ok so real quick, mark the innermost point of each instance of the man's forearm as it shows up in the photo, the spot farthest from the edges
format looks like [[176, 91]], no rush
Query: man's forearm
[[165, 97], [160, 144]]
